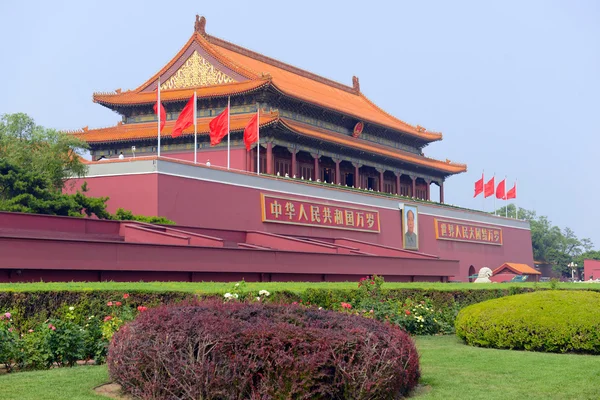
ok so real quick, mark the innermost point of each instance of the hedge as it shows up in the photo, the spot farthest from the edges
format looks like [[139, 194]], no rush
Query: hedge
[[31, 308], [216, 350], [549, 321]]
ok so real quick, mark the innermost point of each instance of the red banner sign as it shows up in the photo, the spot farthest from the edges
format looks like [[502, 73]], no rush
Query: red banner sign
[[449, 230], [284, 210]]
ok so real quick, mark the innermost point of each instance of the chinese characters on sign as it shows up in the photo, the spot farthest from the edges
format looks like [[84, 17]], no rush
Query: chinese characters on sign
[[448, 230], [301, 212]]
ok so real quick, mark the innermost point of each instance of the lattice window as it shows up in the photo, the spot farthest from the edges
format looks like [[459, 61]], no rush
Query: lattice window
[[283, 166], [405, 189], [389, 187], [306, 170]]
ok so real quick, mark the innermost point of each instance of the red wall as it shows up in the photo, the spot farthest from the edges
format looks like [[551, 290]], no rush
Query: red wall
[[591, 268], [218, 158], [213, 205], [134, 192], [216, 205]]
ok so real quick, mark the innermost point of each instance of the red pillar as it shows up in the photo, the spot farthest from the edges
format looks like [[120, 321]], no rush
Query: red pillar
[[317, 174], [414, 186], [356, 175], [441, 191], [381, 180], [337, 171], [252, 155], [397, 184], [270, 158], [294, 163]]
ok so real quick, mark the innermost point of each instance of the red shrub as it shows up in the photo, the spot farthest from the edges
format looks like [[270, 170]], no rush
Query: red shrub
[[213, 350]]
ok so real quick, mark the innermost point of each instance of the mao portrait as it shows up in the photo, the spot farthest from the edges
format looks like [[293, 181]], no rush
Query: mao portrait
[[410, 226]]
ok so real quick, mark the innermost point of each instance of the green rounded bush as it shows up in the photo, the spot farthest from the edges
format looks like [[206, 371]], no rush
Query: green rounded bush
[[550, 321]]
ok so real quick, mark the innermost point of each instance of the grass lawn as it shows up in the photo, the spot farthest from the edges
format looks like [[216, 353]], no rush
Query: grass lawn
[[451, 370], [220, 287], [76, 383]]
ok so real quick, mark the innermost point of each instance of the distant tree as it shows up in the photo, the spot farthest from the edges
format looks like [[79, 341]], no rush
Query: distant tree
[[53, 155], [549, 243]]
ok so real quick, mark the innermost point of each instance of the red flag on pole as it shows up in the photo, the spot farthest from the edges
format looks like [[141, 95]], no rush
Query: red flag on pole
[[501, 189], [479, 187], [251, 131], [219, 127], [163, 115], [512, 193], [489, 188], [186, 118]]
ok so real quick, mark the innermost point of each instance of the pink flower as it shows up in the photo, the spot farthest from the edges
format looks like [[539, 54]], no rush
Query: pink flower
[[118, 303], [126, 296], [407, 312], [31, 330], [50, 326], [11, 329], [294, 303], [142, 308], [7, 315], [110, 303], [107, 318], [346, 305]]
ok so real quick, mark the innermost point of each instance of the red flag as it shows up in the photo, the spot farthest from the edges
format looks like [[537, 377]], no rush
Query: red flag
[[512, 193], [163, 115], [218, 127], [489, 187], [479, 187], [251, 132], [501, 189], [186, 118]]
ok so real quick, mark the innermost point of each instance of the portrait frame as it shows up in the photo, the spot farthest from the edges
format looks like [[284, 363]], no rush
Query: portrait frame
[[409, 243]]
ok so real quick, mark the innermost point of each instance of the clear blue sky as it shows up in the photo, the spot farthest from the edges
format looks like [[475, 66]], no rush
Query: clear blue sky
[[513, 85]]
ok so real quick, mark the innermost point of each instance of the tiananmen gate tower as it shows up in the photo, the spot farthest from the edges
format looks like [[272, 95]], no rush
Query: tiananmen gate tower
[[339, 189]]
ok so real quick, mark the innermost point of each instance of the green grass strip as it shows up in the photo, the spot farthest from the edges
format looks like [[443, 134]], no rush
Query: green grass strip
[[76, 383], [297, 287]]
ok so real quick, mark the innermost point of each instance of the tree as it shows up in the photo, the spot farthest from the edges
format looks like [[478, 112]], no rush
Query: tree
[[53, 155], [29, 192], [549, 243]]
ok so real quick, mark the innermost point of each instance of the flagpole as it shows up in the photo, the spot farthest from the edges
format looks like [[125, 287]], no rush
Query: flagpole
[[516, 207], [195, 128], [483, 197], [158, 112], [495, 194], [257, 139], [505, 198], [228, 133]]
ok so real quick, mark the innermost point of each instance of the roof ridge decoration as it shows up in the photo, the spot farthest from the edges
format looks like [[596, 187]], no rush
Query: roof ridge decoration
[[200, 25]]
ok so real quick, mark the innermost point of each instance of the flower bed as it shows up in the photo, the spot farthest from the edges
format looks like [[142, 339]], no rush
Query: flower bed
[[254, 350]]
